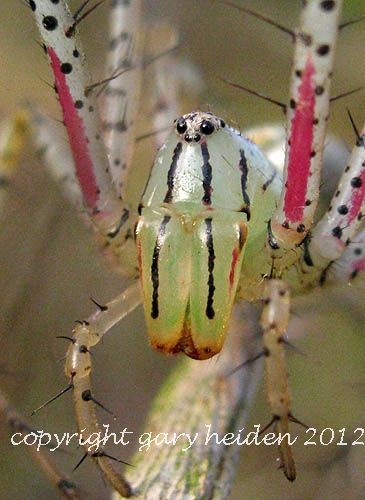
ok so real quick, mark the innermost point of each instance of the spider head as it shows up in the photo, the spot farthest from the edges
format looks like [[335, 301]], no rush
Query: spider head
[[196, 126]]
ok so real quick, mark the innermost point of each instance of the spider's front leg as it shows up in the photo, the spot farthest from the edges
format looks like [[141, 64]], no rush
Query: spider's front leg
[[103, 203], [307, 115]]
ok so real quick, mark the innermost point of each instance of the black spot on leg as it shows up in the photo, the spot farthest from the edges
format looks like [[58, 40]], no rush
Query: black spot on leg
[[342, 209], [356, 182], [32, 5], [323, 50], [319, 90], [358, 251], [79, 104], [328, 5], [298, 73], [66, 68], [50, 23], [83, 349], [86, 395], [337, 232], [76, 53]]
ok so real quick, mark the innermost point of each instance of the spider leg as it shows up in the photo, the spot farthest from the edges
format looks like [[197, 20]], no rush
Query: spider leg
[[350, 266], [79, 111], [274, 322], [109, 214], [167, 82], [307, 115], [50, 140], [120, 95], [340, 224], [78, 368], [19, 427], [51, 143]]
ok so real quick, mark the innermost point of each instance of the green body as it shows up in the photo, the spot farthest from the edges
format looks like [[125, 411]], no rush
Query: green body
[[202, 235]]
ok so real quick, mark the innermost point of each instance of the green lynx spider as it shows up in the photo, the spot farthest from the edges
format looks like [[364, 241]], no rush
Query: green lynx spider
[[216, 222]]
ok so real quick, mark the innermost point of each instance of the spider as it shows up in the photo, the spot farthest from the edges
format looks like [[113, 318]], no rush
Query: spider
[[271, 241]]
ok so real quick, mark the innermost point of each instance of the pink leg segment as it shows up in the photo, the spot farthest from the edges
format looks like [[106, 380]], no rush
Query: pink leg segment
[[307, 115], [76, 135], [301, 139], [79, 109]]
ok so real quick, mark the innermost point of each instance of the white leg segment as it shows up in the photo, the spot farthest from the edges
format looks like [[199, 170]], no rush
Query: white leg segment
[[345, 216], [121, 94]]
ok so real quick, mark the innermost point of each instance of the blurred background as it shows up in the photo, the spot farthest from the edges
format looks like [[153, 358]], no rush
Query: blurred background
[[49, 265]]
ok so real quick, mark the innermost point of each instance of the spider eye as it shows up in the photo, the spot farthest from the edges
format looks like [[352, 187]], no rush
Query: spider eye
[[181, 125], [206, 127]]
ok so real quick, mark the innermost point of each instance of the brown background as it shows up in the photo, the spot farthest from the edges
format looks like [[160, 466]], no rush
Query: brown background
[[49, 266]]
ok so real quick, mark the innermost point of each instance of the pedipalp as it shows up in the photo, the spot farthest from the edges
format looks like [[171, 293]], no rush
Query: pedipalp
[[78, 369], [274, 322]]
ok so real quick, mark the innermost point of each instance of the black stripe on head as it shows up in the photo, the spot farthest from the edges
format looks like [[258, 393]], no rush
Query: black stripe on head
[[172, 171], [209, 311], [207, 175], [269, 181], [244, 173], [154, 266]]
